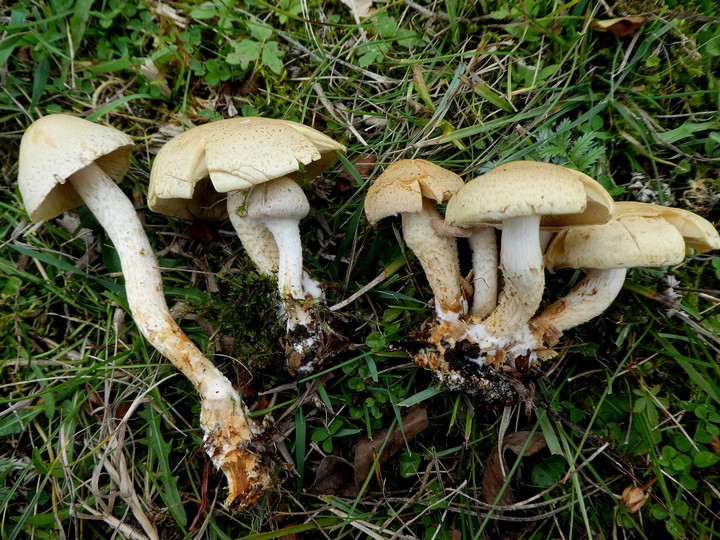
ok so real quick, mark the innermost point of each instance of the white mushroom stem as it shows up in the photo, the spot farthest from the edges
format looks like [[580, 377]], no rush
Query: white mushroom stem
[[269, 227], [261, 246], [286, 233], [439, 259], [483, 245], [588, 299], [230, 433], [255, 237], [521, 265]]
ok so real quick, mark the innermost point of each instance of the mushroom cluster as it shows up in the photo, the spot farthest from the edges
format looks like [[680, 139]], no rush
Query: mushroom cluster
[[485, 335], [492, 345], [247, 169]]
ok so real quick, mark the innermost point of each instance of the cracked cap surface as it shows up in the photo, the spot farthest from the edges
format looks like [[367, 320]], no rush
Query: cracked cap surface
[[623, 242], [700, 235], [404, 184]]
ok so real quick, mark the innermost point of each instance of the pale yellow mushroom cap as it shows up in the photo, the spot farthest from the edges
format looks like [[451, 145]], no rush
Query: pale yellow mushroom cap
[[404, 184], [623, 242], [234, 154], [562, 197], [56, 146], [700, 235]]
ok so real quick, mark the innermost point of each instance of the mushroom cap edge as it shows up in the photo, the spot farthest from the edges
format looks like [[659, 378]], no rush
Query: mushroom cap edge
[[58, 145]]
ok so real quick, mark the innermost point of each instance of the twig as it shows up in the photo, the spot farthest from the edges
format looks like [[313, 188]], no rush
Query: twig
[[382, 276], [333, 112], [650, 125], [115, 523], [432, 14]]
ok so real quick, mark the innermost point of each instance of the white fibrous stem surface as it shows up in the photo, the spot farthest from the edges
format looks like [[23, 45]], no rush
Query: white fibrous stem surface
[[224, 418], [268, 224], [521, 265], [438, 257], [255, 237], [286, 233], [588, 299], [290, 281], [483, 245]]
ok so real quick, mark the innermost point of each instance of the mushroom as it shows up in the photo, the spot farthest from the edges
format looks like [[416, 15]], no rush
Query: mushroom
[[67, 161], [195, 171], [483, 245], [520, 197], [411, 187], [640, 234], [700, 235]]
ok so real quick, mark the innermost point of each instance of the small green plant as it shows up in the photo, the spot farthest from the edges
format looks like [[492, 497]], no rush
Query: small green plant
[[389, 35], [337, 429], [260, 47]]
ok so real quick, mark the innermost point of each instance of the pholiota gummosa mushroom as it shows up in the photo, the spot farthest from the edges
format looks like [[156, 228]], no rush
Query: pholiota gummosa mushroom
[[66, 162], [640, 234], [233, 167], [411, 187], [521, 197]]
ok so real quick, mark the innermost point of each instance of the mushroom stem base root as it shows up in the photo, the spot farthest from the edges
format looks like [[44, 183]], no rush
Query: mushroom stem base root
[[240, 448], [308, 340], [463, 365]]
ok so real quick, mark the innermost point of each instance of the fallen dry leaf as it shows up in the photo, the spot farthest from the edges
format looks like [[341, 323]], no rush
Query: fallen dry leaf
[[494, 478], [364, 164], [366, 450], [335, 476], [361, 8], [95, 406], [24, 54], [622, 26], [715, 444]]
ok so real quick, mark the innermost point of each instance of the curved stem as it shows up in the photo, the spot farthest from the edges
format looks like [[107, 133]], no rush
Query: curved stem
[[588, 299], [230, 433], [521, 265], [485, 269], [438, 257]]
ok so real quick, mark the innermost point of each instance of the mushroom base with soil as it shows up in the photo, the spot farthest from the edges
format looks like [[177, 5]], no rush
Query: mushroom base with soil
[[273, 244], [459, 363]]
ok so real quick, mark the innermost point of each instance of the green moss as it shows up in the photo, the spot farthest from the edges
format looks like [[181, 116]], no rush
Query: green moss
[[247, 313]]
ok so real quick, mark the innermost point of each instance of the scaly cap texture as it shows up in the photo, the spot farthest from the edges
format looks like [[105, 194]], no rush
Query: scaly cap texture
[[562, 196], [235, 154]]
